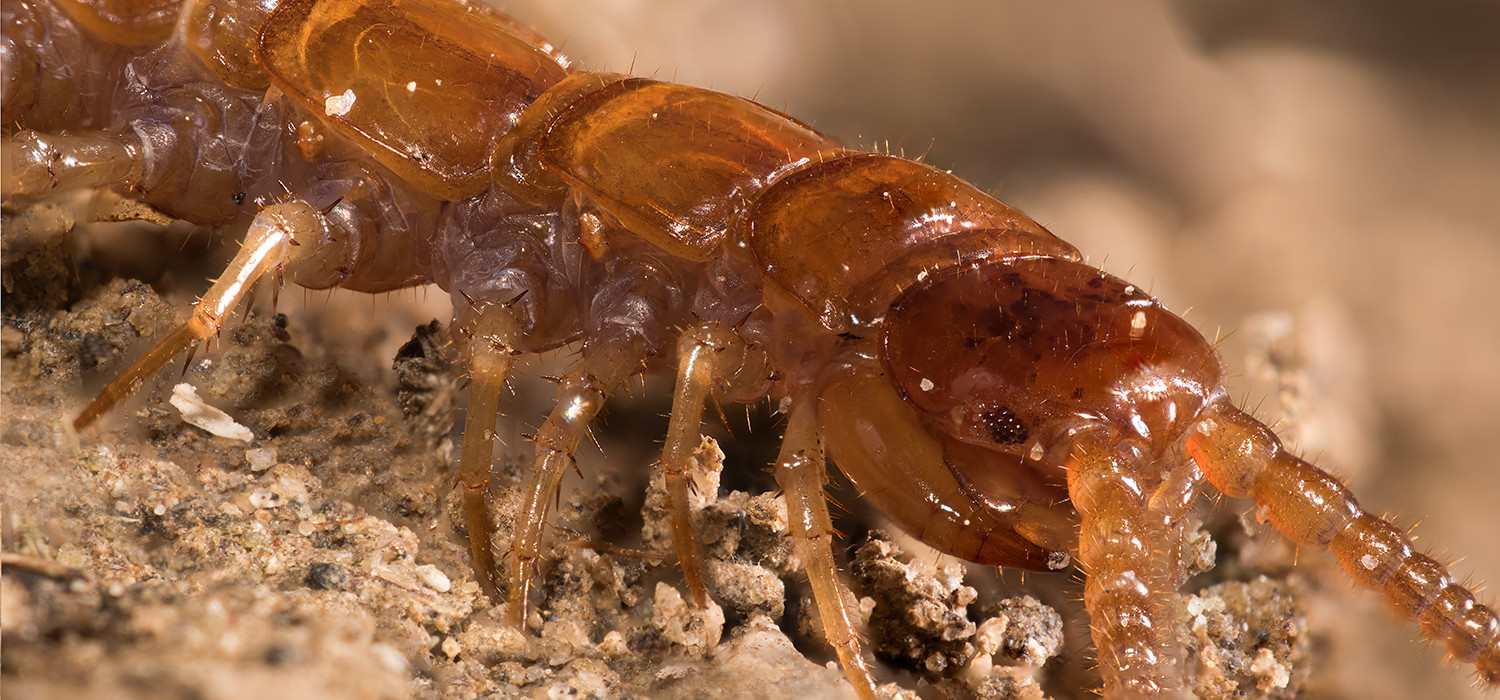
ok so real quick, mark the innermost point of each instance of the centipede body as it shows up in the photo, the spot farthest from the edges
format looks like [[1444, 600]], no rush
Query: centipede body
[[1185, 265]]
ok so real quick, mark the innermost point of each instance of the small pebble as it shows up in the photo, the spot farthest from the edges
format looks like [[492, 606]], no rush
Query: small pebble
[[613, 644], [434, 578], [326, 576], [263, 498], [261, 458], [197, 412]]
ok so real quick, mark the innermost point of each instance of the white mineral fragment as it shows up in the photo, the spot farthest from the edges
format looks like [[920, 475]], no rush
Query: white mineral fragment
[[198, 413]]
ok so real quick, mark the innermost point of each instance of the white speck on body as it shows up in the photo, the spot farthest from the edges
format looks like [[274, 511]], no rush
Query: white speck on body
[[1138, 325], [339, 105]]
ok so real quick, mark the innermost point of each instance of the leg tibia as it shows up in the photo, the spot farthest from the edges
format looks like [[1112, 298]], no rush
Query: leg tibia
[[580, 397], [491, 334], [705, 354], [1241, 457]]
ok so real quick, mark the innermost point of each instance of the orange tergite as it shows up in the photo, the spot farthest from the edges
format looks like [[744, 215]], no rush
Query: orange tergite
[[981, 385]]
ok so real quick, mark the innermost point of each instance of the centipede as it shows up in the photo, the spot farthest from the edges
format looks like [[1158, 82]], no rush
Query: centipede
[[971, 373]]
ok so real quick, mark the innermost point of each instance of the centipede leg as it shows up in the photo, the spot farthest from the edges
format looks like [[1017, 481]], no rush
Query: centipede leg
[[1244, 458], [270, 243], [37, 163], [580, 396], [801, 472], [492, 332], [1119, 548], [705, 353]]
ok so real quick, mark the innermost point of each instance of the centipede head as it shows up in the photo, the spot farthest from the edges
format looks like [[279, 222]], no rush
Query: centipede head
[[1015, 354], [986, 373]]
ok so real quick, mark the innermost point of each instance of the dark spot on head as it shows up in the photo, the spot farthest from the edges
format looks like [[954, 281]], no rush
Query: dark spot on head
[[1004, 427]]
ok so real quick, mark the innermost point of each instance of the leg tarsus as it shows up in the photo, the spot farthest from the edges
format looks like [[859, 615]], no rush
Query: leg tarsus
[[478, 521]]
